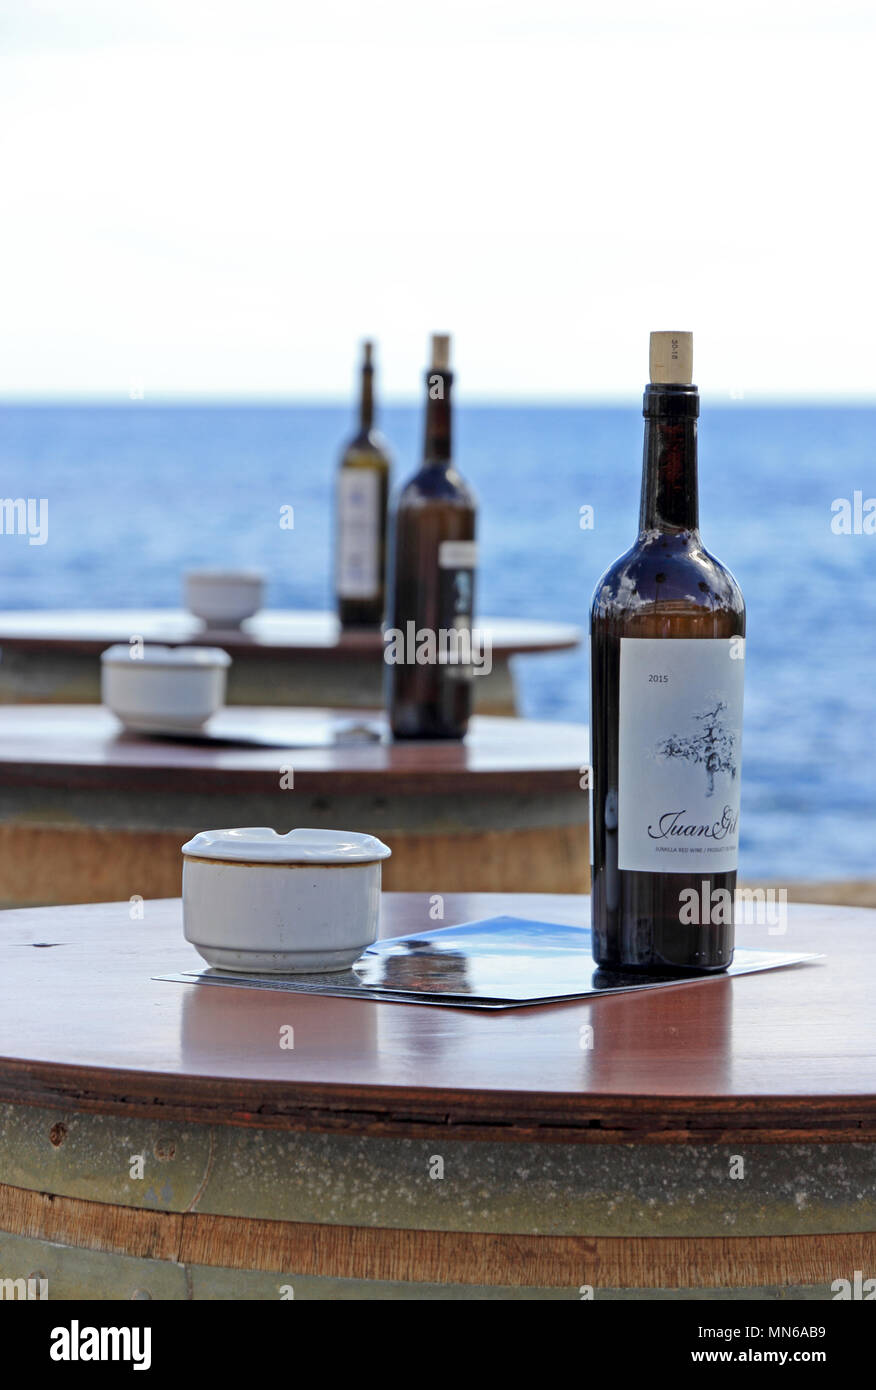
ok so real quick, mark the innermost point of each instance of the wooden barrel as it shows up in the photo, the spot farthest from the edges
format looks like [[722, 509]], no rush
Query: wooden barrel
[[238, 1212], [88, 814], [712, 1140]]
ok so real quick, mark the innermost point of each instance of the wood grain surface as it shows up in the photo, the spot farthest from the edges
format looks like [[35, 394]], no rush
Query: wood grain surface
[[784, 1055], [75, 746], [439, 1257]]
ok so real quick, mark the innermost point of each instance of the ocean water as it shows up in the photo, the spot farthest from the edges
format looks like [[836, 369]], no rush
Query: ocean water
[[138, 492]]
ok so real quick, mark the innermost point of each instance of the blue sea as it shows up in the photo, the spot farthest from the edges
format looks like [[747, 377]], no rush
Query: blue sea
[[139, 492]]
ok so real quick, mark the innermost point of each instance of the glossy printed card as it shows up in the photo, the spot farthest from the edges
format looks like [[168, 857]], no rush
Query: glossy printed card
[[497, 963]]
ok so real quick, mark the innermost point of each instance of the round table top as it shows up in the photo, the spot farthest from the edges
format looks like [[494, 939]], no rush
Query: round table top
[[276, 632], [86, 746], [786, 1054]]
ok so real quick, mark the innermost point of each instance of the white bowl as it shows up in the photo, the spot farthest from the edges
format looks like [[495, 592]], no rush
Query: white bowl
[[223, 598], [163, 689], [306, 901]]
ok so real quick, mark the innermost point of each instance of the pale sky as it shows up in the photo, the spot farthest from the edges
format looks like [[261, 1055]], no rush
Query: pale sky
[[220, 199]]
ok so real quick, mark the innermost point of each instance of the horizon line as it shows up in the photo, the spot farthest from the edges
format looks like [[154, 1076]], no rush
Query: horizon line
[[214, 400]]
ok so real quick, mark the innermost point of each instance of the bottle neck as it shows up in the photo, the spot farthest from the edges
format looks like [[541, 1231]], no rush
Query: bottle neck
[[366, 400], [669, 471], [438, 441]]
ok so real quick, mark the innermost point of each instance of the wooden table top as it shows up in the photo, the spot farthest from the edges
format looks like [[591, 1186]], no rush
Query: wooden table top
[[85, 746], [278, 632], [789, 1054]]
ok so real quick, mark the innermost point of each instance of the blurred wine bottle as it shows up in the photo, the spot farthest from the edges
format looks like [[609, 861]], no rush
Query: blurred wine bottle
[[362, 498], [432, 573]]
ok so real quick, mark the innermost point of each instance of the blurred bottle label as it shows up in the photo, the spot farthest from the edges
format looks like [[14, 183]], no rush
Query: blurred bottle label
[[457, 555], [358, 552], [456, 562]]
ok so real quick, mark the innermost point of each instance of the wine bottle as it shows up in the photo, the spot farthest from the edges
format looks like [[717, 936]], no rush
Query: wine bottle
[[429, 671], [667, 649], [362, 497]]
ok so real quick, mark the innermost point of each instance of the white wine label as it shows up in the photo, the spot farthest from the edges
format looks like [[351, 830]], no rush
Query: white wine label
[[358, 551], [457, 555], [456, 607], [680, 754]]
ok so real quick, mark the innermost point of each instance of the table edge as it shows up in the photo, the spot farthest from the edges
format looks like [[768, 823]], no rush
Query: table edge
[[408, 1112]]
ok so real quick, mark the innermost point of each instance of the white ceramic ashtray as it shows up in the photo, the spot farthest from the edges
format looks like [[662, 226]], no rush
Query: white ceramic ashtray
[[223, 598], [306, 901], [163, 689]]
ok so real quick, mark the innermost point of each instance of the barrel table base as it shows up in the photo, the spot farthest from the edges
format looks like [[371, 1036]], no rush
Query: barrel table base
[[164, 1140], [65, 862], [237, 1212], [88, 813]]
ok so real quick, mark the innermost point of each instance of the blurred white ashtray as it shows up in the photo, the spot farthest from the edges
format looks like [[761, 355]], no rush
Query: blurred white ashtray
[[350, 732], [158, 689], [255, 900], [223, 598]]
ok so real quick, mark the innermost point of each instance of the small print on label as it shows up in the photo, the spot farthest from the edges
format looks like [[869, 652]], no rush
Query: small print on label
[[458, 555]]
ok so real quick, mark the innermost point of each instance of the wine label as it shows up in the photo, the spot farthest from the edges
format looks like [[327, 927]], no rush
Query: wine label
[[680, 754], [457, 555], [456, 565], [358, 552]]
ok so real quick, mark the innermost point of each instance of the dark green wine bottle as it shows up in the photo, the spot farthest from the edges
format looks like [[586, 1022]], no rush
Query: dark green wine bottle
[[361, 516]]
